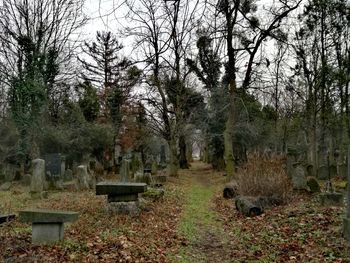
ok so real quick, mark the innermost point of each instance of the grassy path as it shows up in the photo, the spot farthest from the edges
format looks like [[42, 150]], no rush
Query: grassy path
[[199, 223]]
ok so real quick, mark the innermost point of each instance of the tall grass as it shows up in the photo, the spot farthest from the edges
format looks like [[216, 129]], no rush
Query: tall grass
[[266, 177]]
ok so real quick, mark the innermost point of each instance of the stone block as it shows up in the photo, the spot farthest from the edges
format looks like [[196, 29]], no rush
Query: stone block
[[346, 228], [124, 208], [46, 233], [122, 198], [116, 188], [47, 216], [332, 199]]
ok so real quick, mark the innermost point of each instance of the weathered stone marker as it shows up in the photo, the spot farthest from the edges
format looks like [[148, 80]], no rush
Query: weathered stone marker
[[82, 177], [125, 171], [346, 219], [38, 178], [47, 225], [122, 197]]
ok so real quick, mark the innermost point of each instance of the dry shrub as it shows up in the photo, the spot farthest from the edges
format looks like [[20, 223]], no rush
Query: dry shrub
[[265, 177]]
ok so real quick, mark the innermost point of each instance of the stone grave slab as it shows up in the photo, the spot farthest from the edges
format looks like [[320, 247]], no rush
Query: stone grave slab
[[47, 225], [122, 196]]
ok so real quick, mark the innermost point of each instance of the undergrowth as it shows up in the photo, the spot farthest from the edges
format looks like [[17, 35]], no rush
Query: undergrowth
[[263, 176]]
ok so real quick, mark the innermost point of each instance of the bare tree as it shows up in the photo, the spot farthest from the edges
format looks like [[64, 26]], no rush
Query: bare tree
[[37, 45], [244, 33]]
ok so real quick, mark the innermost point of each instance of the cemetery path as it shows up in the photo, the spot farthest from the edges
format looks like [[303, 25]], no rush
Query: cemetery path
[[200, 224]]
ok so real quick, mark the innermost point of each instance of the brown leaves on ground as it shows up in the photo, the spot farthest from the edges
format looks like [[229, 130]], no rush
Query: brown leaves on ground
[[302, 231], [98, 237]]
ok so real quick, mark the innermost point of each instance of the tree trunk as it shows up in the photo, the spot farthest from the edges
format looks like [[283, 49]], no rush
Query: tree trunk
[[173, 162], [183, 152], [228, 133]]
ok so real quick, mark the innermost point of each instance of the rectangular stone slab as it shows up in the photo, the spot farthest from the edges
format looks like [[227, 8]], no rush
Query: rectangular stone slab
[[47, 216], [110, 188]]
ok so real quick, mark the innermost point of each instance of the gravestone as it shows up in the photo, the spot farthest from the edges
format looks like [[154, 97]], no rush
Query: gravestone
[[136, 163], [82, 177], [26, 179], [63, 166], [122, 197], [324, 173], [125, 171], [68, 175], [38, 178], [10, 173], [53, 163], [299, 178]]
